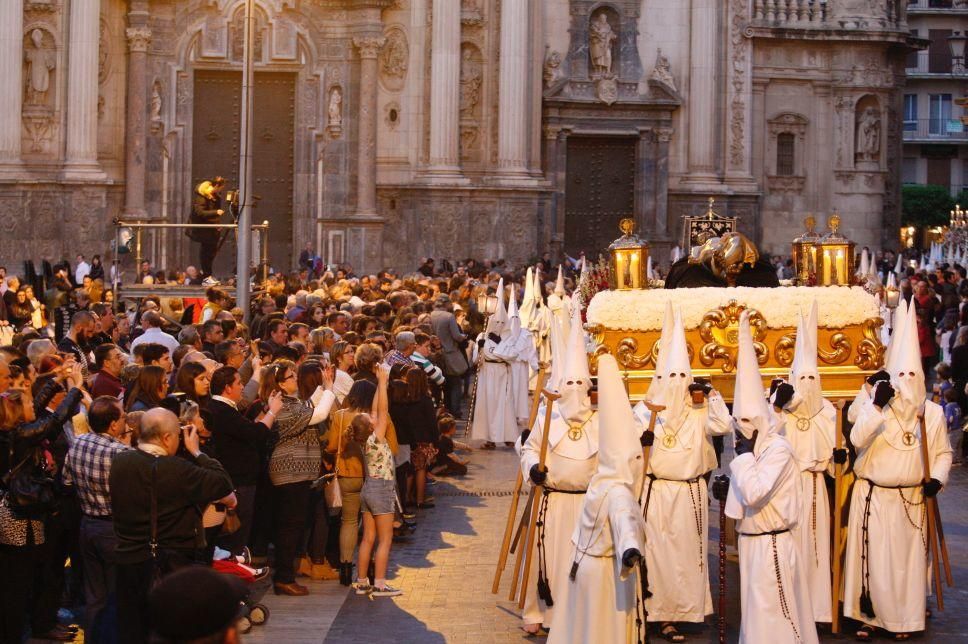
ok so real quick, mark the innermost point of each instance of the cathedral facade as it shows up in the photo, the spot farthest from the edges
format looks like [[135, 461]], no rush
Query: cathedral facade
[[386, 130]]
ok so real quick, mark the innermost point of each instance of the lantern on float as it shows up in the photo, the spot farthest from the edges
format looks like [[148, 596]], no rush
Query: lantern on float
[[804, 251], [835, 256], [629, 256]]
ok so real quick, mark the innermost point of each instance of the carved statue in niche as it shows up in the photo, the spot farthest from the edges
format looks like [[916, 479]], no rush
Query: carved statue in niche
[[663, 71], [335, 107], [155, 107], [471, 78], [40, 63], [600, 39], [868, 135]]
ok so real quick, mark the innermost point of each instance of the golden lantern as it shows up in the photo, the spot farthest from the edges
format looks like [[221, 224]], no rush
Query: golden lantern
[[834, 256], [629, 257], [804, 252]]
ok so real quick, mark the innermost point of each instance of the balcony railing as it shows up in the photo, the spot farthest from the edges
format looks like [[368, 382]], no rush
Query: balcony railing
[[809, 13], [941, 130], [917, 5], [929, 62]]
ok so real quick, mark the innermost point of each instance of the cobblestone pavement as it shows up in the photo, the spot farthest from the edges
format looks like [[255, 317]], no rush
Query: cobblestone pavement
[[447, 568]]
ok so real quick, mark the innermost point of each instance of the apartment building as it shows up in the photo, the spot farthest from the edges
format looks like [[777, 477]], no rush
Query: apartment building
[[935, 139]]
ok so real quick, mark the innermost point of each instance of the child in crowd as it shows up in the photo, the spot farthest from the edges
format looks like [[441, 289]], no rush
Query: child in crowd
[[955, 421], [448, 462], [942, 384], [378, 497]]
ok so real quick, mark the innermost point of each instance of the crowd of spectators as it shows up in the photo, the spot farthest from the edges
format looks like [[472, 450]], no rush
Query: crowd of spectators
[[169, 432]]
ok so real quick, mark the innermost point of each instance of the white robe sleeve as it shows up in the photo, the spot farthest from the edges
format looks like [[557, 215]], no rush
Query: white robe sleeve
[[939, 447], [756, 479], [625, 522], [718, 418], [854, 410], [531, 450], [869, 423]]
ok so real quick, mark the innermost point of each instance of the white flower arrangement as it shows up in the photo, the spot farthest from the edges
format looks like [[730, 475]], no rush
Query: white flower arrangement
[[644, 310]]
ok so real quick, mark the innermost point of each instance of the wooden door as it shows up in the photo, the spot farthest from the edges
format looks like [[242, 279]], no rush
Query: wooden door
[[599, 192], [215, 151]]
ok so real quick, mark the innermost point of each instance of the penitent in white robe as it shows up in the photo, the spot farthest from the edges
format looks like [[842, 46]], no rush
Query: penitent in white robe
[[571, 465], [494, 418], [676, 506], [814, 449], [600, 606], [764, 496], [897, 550], [519, 351]]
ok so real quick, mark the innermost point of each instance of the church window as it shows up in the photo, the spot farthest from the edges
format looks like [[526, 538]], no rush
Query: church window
[[785, 144]]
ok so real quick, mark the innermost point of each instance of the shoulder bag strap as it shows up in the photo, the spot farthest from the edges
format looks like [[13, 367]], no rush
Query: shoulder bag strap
[[153, 541], [339, 449]]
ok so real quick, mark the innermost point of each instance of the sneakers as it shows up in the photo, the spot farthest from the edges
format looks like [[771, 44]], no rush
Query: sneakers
[[362, 587], [385, 591]]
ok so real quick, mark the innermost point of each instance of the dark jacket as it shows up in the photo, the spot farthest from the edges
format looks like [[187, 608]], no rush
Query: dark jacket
[[415, 422], [183, 486], [26, 438], [239, 442]]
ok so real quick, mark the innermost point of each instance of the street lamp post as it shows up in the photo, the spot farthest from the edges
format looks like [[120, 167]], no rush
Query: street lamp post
[[956, 41]]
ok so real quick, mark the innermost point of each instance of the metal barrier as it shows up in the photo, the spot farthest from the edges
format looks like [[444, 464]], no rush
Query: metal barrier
[[137, 229]]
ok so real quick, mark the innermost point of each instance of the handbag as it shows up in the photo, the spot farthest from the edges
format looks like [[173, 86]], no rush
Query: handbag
[[30, 490], [14, 529], [331, 490], [232, 523]]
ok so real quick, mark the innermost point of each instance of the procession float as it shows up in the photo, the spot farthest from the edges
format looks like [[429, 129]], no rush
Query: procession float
[[723, 275]]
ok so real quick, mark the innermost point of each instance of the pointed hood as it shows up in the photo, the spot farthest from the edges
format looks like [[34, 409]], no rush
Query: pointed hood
[[560, 283], [497, 323], [513, 317], [575, 383], [873, 276], [864, 267], [674, 255], [750, 409], [558, 341], [804, 375], [676, 374], [527, 301], [900, 318], [907, 374], [648, 269], [619, 460], [665, 337]]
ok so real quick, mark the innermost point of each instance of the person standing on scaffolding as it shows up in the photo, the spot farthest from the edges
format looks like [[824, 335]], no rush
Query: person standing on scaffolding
[[207, 209]]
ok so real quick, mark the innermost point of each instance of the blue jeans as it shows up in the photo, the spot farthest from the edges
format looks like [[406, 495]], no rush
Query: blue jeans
[[98, 542]]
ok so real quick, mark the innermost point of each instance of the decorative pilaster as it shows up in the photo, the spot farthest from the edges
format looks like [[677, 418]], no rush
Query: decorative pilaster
[[369, 48], [445, 92], [11, 75], [513, 109], [703, 127], [739, 110], [139, 38], [82, 87]]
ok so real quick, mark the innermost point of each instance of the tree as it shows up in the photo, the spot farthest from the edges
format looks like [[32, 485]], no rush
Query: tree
[[925, 206]]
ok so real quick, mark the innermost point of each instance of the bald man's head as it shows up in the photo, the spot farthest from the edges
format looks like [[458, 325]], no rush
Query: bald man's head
[[160, 427]]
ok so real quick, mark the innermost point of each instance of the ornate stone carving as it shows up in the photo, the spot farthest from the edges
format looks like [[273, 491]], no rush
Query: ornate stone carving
[[607, 90], [103, 53], [786, 184], [39, 128], [471, 79], [40, 61], [739, 49], [334, 122], [369, 46], [601, 37], [154, 108], [391, 115], [138, 38], [237, 34], [470, 13], [552, 68], [394, 60], [662, 72]]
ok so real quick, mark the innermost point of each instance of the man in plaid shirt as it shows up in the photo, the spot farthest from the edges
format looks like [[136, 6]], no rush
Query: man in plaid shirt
[[87, 468], [405, 344]]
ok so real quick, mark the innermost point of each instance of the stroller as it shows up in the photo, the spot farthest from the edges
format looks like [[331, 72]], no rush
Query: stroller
[[254, 613]]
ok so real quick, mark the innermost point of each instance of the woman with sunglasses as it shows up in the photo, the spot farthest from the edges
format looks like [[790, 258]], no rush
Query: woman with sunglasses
[[295, 463]]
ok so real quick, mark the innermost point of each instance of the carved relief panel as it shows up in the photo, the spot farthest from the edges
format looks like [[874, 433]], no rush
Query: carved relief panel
[[40, 89], [394, 59], [471, 95]]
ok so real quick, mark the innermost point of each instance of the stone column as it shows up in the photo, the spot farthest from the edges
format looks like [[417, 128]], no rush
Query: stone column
[[663, 137], [11, 74], [369, 48], [445, 92], [134, 167], [82, 91], [513, 113], [702, 100]]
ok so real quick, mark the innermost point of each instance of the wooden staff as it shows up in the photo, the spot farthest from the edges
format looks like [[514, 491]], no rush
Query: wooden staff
[[646, 451], [934, 519], [838, 522], [550, 397], [509, 526], [519, 552], [721, 618]]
